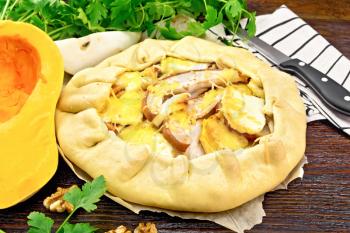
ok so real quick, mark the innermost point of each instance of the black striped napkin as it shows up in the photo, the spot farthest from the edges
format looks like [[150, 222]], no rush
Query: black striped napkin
[[287, 32]]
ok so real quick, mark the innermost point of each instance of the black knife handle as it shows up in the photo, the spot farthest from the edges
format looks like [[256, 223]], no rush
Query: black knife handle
[[333, 94]]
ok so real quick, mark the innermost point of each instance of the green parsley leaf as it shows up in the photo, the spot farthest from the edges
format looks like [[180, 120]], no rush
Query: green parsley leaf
[[194, 29], [39, 223], [170, 32], [79, 228], [76, 18], [35, 20], [158, 11], [120, 11], [197, 6], [244, 3], [32, 5], [251, 26], [82, 16], [88, 195], [2, 4], [96, 11], [233, 9], [3, 8], [185, 27], [1, 231], [85, 20], [212, 17]]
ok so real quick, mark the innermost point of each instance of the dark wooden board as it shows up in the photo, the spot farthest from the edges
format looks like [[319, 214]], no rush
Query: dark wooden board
[[318, 203]]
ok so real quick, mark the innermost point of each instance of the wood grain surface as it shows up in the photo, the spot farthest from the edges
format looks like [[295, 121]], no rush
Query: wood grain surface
[[318, 203]]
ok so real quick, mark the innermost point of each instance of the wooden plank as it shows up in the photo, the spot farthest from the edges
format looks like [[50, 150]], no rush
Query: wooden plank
[[307, 9]]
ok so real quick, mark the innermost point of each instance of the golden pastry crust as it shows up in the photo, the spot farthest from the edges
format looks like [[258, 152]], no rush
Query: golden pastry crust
[[213, 182]]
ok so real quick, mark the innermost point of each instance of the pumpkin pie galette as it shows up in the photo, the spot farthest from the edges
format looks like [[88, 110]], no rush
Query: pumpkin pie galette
[[184, 125]]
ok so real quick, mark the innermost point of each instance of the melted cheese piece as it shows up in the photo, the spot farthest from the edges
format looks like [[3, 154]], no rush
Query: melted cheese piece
[[256, 88], [145, 133], [243, 112], [181, 124], [201, 106], [173, 104], [171, 65], [130, 81], [216, 135], [156, 95], [150, 76], [209, 97], [126, 109], [241, 88]]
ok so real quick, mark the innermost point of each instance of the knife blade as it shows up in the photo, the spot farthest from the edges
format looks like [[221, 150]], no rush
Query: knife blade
[[330, 92]]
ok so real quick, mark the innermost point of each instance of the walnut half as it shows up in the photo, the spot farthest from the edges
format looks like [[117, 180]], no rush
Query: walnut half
[[55, 202], [141, 228], [120, 229], [146, 228]]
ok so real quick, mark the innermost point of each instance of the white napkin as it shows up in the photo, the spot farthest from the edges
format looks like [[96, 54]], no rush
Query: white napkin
[[288, 33]]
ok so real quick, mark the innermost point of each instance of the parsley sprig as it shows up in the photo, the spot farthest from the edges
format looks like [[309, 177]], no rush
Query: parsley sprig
[[84, 198], [75, 18]]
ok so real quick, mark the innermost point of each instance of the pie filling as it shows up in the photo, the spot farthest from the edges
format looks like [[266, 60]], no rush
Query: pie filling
[[185, 107]]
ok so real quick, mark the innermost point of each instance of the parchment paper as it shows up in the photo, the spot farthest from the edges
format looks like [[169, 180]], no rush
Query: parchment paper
[[238, 219]]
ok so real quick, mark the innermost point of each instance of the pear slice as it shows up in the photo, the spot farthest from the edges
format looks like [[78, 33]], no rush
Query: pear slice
[[171, 65], [88, 51], [242, 111], [216, 135], [189, 82], [203, 105], [173, 104], [178, 130], [195, 149], [256, 88], [151, 105]]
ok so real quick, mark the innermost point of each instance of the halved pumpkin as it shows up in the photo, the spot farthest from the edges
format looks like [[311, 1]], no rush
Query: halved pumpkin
[[31, 76]]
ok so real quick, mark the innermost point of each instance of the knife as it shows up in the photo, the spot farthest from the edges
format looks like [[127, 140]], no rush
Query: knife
[[330, 92]]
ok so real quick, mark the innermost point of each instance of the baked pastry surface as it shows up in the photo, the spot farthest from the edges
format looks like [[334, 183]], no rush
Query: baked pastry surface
[[139, 118]]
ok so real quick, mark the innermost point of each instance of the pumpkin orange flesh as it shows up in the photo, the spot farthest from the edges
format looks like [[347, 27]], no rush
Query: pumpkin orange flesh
[[19, 72]]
